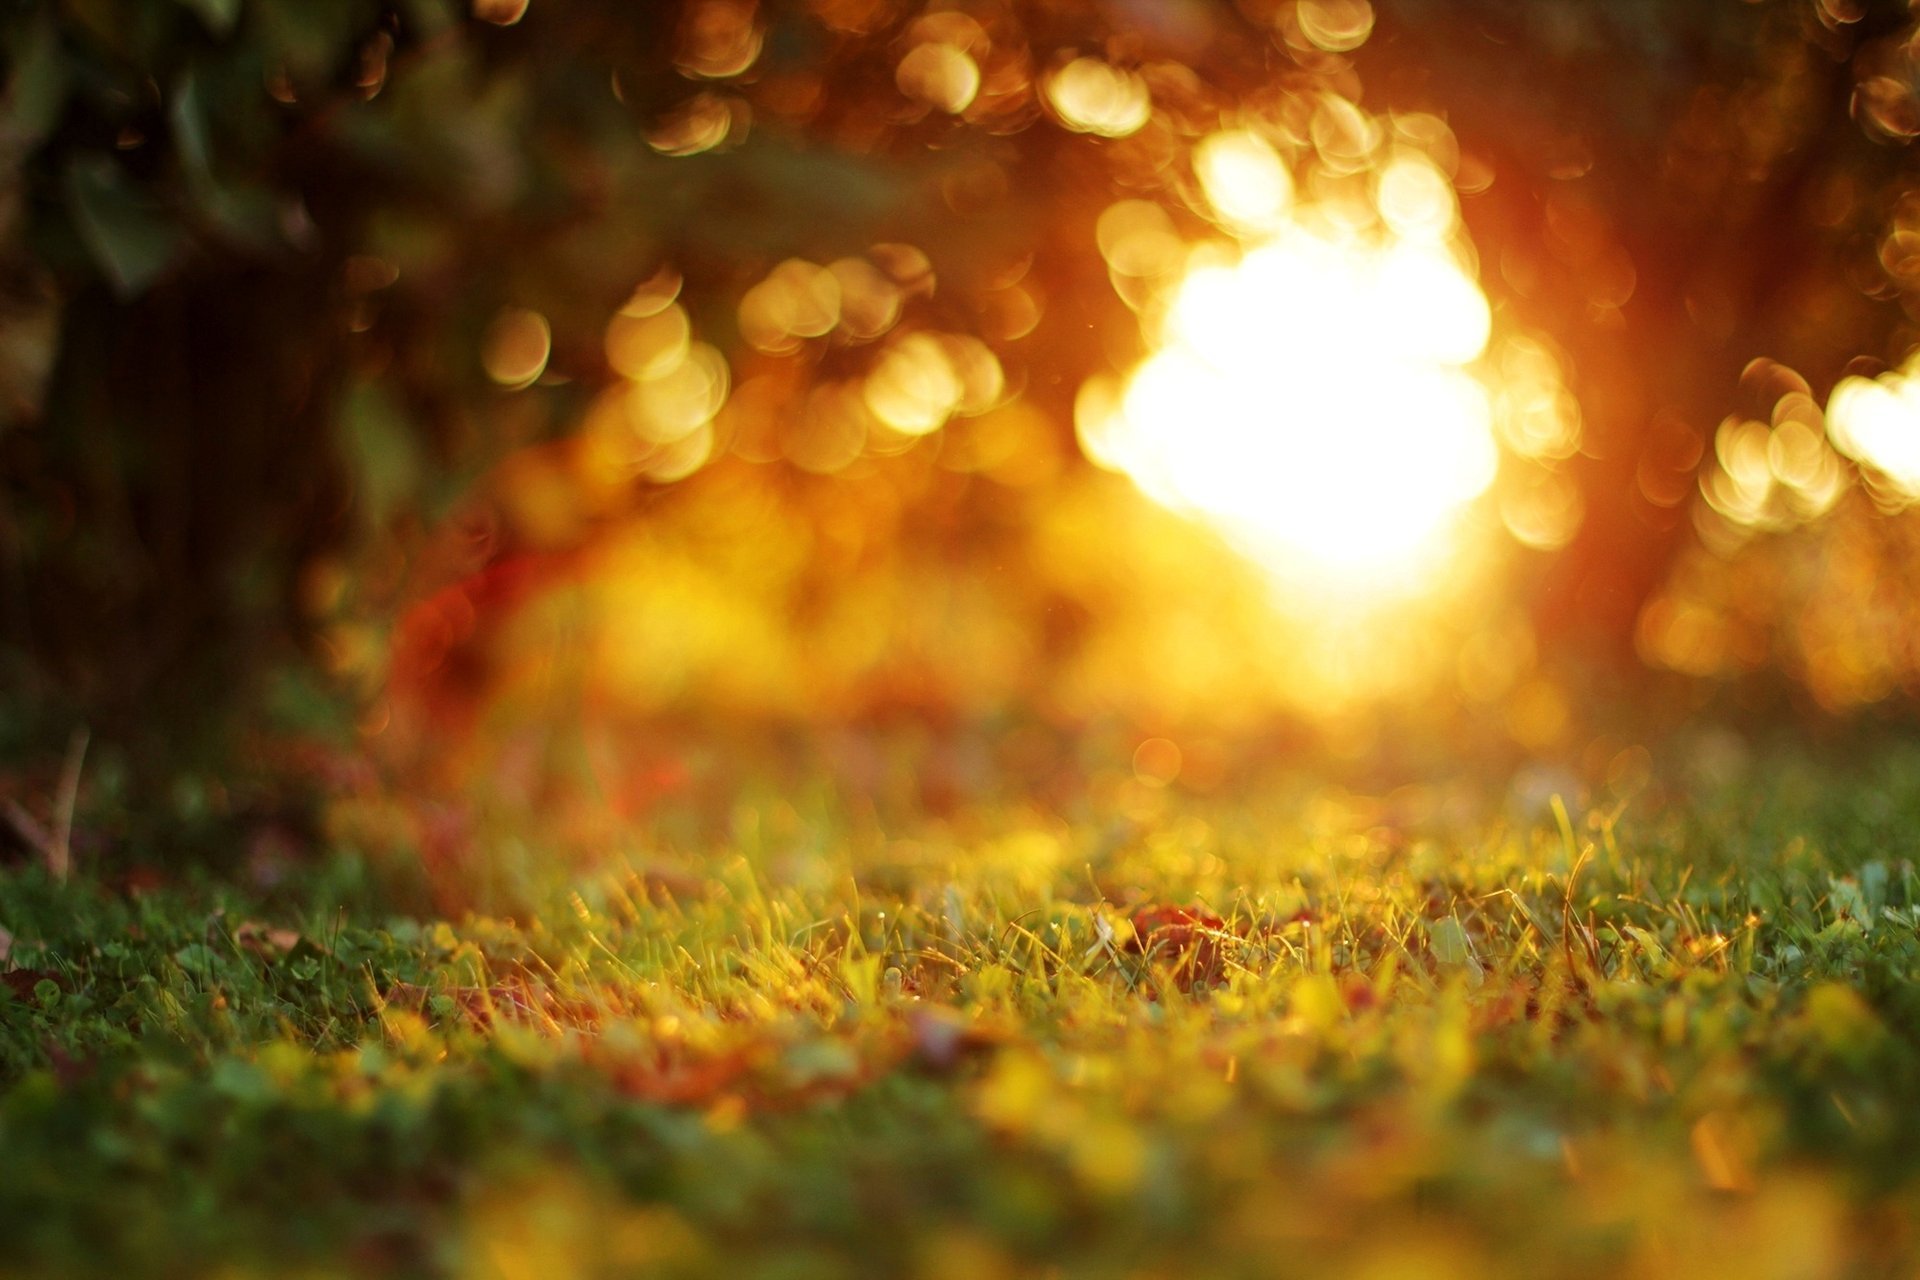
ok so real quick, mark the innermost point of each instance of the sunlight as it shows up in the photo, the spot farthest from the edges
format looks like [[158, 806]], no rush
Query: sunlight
[[1876, 421], [1311, 389]]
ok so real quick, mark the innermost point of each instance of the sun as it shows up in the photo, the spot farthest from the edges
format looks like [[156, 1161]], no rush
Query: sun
[[1312, 388]]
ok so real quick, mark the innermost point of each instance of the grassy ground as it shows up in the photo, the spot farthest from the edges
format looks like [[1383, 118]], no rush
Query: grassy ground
[[1442, 1033]]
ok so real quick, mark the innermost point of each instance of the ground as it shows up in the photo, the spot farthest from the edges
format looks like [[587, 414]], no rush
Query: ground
[[1526, 1028]]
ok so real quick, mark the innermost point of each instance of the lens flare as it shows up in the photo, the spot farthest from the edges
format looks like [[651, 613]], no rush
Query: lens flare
[[1313, 391]]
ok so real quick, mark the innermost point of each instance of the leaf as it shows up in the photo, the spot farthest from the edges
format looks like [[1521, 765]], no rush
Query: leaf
[[30, 985], [1873, 879], [1850, 899], [196, 957], [218, 15], [1452, 948], [265, 940], [678, 1079], [188, 117], [127, 232], [862, 976], [1649, 942], [1187, 937]]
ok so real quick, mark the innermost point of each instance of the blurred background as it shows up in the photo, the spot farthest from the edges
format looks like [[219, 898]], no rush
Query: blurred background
[[412, 409]]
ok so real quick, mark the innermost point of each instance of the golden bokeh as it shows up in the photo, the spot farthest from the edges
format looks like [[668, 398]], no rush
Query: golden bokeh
[[1094, 96], [516, 346], [915, 388], [1314, 385], [939, 75], [798, 300], [645, 346], [501, 13], [870, 301], [1335, 26], [702, 123], [677, 401], [1244, 179], [1876, 422], [719, 38]]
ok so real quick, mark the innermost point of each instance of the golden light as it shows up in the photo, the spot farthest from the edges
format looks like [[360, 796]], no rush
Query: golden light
[[658, 421], [1876, 422], [645, 346], [674, 402], [702, 123], [1244, 178], [939, 75], [914, 389], [869, 301], [719, 38], [516, 346], [925, 379], [1335, 26], [1543, 511], [1137, 238], [1315, 392], [1092, 96], [501, 13], [798, 300]]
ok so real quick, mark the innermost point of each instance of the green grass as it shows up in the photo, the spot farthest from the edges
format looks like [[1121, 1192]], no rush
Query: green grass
[[1432, 1034]]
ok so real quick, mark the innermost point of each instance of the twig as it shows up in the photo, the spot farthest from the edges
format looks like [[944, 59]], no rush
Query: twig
[[60, 849], [27, 827]]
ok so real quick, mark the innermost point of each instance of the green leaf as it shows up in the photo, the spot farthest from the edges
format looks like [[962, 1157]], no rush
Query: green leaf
[[196, 957], [188, 115], [243, 211], [1448, 938], [127, 232], [218, 15], [1453, 949], [46, 993]]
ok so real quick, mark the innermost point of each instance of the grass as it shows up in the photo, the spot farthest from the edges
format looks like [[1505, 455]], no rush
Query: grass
[[1436, 1033]]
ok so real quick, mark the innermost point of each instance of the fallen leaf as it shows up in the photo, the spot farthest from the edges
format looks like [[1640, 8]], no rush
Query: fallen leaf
[[262, 939], [23, 983], [1187, 937], [681, 1083], [943, 1037]]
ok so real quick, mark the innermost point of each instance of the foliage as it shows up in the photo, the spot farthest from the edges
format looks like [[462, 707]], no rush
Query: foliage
[[1435, 1031], [256, 255]]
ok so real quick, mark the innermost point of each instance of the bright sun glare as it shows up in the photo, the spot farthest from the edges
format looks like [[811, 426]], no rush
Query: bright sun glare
[[1311, 389]]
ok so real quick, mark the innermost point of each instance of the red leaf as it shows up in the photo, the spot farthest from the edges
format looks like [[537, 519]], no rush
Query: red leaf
[[1188, 938]]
